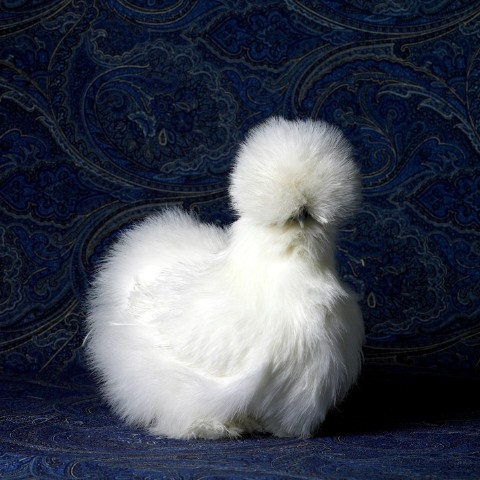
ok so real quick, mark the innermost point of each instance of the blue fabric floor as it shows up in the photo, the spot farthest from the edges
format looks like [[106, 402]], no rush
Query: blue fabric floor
[[394, 425]]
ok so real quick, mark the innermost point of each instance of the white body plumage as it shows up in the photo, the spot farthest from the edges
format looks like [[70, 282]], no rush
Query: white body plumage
[[196, 331]]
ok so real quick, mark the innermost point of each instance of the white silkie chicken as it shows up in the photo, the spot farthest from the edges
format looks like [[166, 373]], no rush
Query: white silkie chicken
[[201, 332]]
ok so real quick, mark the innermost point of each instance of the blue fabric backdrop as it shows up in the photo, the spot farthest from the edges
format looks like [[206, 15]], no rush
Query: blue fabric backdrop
[[110, 110]]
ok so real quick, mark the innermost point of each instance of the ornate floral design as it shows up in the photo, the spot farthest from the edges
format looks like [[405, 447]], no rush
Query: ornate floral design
[[110, 110], [10, 271], [163, 114], [263, 37], [46, 194], [398, 429], [453, 200]]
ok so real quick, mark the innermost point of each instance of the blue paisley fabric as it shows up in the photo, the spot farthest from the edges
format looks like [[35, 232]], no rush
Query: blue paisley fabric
[[54, 432], [111, 110]]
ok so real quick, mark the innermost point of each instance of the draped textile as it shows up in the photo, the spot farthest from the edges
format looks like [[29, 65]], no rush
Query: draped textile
[[111, 110]]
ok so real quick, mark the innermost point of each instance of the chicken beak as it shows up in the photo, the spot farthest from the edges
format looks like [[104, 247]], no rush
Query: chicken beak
[[302, 217]]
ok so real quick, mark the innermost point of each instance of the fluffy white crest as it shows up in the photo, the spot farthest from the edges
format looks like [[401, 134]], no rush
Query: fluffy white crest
[[286, 167]]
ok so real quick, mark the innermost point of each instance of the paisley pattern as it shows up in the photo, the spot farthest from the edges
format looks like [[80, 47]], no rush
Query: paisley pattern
[[112, 110], [381, 433]]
